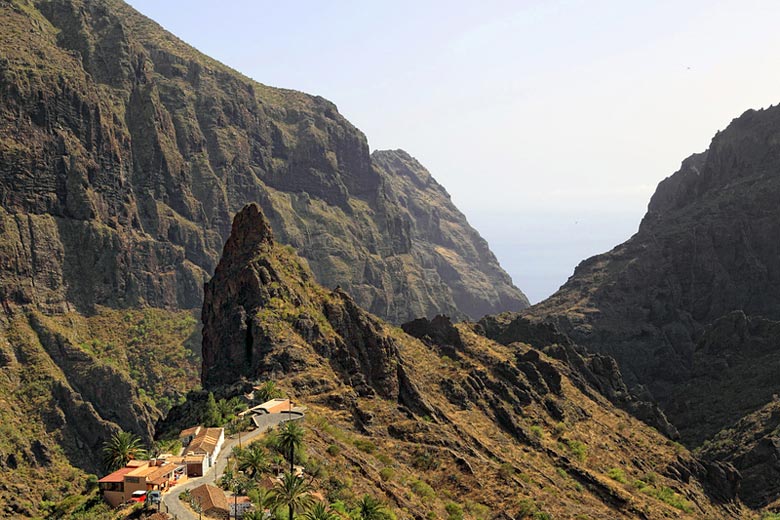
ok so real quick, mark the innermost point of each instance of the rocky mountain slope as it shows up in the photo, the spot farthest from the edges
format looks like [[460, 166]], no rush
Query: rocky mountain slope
[[688, 306], [124, 154], [436, 414]]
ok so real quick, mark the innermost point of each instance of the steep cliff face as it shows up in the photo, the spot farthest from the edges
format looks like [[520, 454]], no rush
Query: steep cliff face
[[506, 426], [678, 304], [124, 154]]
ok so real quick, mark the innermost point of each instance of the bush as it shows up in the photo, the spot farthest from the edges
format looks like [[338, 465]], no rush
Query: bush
[[617, 474], [365, 445], [578, 449], [526, 507], [387, 473], [478, 511], [422, 489], [455, 511], [541, 515], [424, 460], [537, 431], [333, 449]]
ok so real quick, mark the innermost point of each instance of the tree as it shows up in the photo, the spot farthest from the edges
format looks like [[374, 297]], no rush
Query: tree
[[267, 391], [289, 440], [253, 461], [292, 492], [211, 415], [369, 508], [120, 449], [320, 511]]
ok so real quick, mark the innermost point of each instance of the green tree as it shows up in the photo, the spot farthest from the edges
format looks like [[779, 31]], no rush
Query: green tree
[[253, 461], [289, 440], [268, 391], [211, 415], [369, 508], [120, 449], [292, 492], [320, 511]]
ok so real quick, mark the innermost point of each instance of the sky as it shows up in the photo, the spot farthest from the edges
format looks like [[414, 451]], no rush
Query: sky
[[549, 123]]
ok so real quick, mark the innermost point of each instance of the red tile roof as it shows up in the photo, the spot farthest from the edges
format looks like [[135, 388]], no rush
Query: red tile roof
[[117, 476], [211, 497]]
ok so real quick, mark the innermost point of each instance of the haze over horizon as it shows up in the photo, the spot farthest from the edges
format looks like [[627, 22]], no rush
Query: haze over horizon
[[549, 123]]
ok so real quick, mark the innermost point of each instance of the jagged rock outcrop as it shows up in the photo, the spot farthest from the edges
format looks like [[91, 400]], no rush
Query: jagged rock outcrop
[[124, 154], [261, 295], [687, 305], [479, 420]]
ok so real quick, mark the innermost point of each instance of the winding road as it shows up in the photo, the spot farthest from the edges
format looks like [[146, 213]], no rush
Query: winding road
[[170, 501]]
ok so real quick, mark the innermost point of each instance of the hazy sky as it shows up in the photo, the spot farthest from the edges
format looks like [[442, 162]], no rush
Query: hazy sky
[[550, 123]]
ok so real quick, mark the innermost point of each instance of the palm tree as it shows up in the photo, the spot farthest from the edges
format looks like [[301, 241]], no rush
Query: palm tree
[[253, 461], [369, 508], [267, 391], [292, 492], [290, 439], [320, 511], [120, 449], [253, 515]]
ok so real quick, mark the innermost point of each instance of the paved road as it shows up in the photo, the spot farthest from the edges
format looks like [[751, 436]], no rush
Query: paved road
[[171, 502]]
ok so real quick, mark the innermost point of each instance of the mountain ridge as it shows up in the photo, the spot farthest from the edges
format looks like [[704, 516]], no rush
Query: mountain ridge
[[688, 305]]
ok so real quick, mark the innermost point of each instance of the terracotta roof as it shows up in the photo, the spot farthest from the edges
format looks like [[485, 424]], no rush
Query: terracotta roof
[[205, 441], [211, 497], [158, 516], [117, 476], [188, 459], [189, 431], [241, 500]]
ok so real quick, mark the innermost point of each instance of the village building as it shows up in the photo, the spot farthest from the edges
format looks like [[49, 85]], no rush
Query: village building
[[211, 500], [273, 406], [203, 441], [137, 476], [195, 465]]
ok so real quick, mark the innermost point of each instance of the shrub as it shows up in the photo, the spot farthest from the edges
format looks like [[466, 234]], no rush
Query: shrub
[[333, 449], [526, 507], [365, 445], [537, 431], [478, 511], [454, 510], [541, 515], [384, 459], [424, 460], [617, 474], [422, 489], [387, 473], [578, 449]]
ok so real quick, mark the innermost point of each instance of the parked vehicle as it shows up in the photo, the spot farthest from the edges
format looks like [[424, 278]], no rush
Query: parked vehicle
[[138, 496]]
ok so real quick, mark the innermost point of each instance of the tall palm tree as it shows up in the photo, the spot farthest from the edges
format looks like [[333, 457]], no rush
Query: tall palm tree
[[292, 492], [289, 439], [320, 511], [253, 461], [120, 449], [369, 508]]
